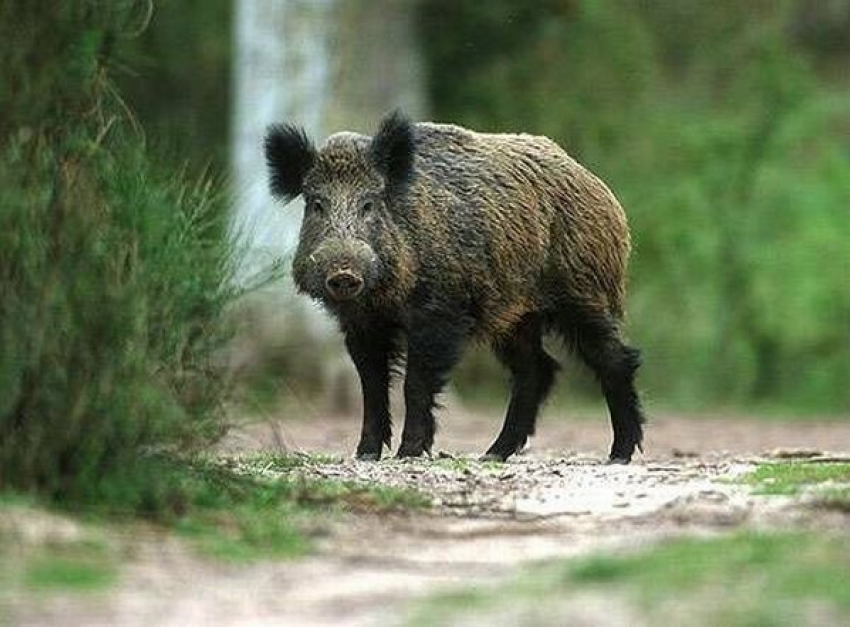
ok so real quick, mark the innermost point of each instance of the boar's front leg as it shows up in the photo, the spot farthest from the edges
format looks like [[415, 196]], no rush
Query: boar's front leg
[[434, 343], [372, 352]]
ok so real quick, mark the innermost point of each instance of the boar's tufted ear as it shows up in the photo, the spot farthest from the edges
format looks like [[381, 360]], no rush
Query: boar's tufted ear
[[392, 149], [289, 155]]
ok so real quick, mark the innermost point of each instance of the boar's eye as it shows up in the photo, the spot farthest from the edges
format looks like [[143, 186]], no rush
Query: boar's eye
[[315, 205], [367, 207]]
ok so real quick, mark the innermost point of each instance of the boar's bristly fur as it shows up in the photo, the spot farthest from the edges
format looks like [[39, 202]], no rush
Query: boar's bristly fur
[[430, 235]]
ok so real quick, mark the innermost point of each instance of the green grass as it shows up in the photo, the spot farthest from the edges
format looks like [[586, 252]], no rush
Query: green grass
[[233, 511], [752, 578], [283, 462], [461, 464], [77, 567], [237, 511], [237, 514], [690, 563], [273, 518], [386, 498], [13, 499], [54, 564], [241, 511], [790, 478], [745, 579], [233, 514], [245, 533]]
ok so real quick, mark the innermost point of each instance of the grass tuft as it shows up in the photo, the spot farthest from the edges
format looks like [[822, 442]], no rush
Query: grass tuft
[[55, 565], [237, 514], [71, 573], [789, 478]]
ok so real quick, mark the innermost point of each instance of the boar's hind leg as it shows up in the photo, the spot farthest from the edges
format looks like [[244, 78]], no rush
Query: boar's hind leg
[[598, 341], [372, 355], [532, 375], [434, 344]]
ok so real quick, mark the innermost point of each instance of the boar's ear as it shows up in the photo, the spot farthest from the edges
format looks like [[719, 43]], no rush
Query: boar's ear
[[289, 155], [392, 149]]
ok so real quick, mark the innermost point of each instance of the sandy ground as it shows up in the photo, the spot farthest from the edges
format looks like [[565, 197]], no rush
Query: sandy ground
[[556, 501]]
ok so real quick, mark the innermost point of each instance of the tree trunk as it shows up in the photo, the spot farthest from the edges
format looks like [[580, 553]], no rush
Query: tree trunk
[[327, 65]]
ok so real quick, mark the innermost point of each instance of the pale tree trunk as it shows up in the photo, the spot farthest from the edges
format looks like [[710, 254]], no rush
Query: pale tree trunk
[[327, 65], [280, 72], [375, 64]]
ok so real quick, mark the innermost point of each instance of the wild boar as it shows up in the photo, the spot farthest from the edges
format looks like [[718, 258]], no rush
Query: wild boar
[[428, 236]]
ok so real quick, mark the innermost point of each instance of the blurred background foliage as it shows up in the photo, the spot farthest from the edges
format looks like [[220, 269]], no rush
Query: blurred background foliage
[[724, 128], [176, 75]]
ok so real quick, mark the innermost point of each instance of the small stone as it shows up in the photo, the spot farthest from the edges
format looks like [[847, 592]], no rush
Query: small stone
[[677, 452]]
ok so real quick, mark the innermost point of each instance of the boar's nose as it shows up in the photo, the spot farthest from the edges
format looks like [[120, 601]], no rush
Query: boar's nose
[[343, 284]]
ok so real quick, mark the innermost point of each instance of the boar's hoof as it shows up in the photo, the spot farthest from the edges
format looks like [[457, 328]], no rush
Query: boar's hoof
[[500, 452], [616, 460], [493, 457], [411, 451], [368, 457]]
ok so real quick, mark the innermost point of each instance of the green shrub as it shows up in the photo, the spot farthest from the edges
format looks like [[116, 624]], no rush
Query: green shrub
[[115, 276]]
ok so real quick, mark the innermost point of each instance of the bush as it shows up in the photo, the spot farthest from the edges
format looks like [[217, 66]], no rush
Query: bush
[[115, 276]]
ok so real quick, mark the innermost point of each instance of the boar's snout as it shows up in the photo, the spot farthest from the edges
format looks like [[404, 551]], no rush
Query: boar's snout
[[339, 269], [344, 284]]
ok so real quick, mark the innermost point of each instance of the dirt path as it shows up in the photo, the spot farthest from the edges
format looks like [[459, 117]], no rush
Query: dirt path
[[488, 519]]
